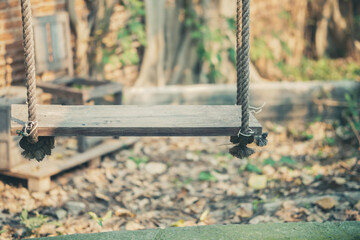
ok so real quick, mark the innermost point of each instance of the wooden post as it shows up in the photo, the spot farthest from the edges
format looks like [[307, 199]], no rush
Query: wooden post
[[39, 184]]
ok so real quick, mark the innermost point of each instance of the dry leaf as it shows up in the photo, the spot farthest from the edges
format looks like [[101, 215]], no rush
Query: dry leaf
[[245, 210], [122, 212], [326, 203]]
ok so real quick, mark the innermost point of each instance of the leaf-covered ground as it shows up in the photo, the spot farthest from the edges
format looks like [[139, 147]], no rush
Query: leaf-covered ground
[[304, 174]]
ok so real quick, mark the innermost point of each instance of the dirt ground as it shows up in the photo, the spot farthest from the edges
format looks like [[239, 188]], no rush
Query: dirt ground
[[305, 173]]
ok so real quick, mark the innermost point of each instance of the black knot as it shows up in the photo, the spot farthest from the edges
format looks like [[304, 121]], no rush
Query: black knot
[[242, 140], [261, 140], [38, 150], [241, 151]]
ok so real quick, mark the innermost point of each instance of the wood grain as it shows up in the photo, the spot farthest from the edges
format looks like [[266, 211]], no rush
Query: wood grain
[[126, 120]]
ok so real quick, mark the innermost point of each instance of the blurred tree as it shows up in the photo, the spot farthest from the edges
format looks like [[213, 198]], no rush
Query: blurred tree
[[332, 32]]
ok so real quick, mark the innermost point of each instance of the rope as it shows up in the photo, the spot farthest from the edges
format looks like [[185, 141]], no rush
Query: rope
[[29, 52], [244, 66], [245, 135], [238, 52], [33, 146]]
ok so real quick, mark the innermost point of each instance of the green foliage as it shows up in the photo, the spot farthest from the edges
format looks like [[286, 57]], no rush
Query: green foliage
[[318, 177], [207, 176], [352, 114], [306, 135], [252, 168], [287, 160], [330, 141], [188, 181], [269, 161], [139, 160], [100, 220], [308, 69], [256, 203], [206, 39], [322, 69], [124, 51], [33, 223], [260, 49]]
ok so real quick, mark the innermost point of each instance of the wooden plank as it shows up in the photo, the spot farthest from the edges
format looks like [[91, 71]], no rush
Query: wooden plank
[[104, 90], [69, 95], [79, 80], [35, 170], [5, 137], [105, 120], [57, 28]]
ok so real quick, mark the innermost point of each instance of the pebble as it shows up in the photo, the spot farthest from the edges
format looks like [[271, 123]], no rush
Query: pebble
[[130, 165], [257, 181], [339, 181], [268, 170], [75, 208], [60, 213], [155, 168]]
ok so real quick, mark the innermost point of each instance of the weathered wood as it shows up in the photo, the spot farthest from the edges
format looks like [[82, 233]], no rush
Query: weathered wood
[[104, 90], [39, 184], [125, 120], [68, 81], [53, 48], [70, 95], [49, 167], [10, 155]]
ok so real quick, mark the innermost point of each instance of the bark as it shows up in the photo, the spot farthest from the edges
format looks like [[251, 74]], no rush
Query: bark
[[335, 32]]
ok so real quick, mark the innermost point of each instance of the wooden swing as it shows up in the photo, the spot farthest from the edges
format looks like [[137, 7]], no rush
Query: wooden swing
[[34, 120]]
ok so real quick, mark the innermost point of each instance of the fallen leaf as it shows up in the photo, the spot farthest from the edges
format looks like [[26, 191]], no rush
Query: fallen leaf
[[122, 212], [102, 196], [352, 215], [326, 203], [245, 210], [257, 182], [204, 215]]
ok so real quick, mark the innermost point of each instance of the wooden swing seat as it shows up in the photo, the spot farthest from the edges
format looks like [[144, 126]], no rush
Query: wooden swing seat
[[130, 120]]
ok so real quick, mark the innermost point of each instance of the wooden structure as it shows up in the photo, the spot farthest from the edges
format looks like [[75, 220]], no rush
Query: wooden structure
[[53, 53], [39, 175], [134, 120], [10, 154]]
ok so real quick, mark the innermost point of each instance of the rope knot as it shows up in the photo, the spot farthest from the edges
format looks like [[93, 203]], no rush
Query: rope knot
[[28, 129]]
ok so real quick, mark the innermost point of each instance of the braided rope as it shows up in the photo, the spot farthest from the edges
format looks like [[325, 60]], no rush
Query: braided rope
[[29, 52], [243, 63], [238, 51]]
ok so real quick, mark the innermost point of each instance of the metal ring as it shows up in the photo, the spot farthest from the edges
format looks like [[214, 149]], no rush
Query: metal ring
[[250, 133], [29, 126]]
